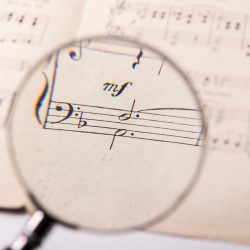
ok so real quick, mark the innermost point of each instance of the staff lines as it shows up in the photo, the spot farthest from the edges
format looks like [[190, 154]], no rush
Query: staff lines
[[126, 136], [130, 124], [141, 111], [137, 131], [134, 118]]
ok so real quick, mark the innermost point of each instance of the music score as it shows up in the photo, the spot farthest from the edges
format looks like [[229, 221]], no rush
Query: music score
[[22, 28], [190, 24], [168, 125], [216, 89]]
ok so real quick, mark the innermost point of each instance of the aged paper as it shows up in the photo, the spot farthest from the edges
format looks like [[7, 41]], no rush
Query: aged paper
[[211, 41], [28, 30], [106, 135]]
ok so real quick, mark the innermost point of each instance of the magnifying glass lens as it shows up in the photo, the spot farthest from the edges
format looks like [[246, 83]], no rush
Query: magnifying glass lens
[[106, 134]]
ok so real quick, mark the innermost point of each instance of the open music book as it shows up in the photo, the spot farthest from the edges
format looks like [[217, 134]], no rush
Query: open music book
[[210, 40]]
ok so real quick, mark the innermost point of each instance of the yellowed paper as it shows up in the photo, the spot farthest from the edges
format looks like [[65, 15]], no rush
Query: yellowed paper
[[28, 30], [211, 41], [104, 141]]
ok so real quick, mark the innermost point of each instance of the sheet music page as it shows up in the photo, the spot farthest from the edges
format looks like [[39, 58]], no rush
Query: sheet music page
[[28, 29], [211, 41]]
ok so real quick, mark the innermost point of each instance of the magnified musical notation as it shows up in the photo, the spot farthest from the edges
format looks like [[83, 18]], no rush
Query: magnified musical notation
[[170, 125], [142, 133]]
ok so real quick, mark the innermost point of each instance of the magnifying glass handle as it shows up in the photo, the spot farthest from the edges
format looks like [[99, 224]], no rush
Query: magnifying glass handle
[[37, 227]]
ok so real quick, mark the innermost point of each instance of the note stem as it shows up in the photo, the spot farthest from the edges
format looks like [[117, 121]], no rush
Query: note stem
[[127, 116], [118, 132]]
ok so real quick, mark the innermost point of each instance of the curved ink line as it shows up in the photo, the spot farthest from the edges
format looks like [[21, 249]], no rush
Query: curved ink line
[[41, 99], [73, 54], [138, 57], [121, 89], [124, 131], [71, 110], [183, 109], [49, 60], [117, 132], [127, 116]]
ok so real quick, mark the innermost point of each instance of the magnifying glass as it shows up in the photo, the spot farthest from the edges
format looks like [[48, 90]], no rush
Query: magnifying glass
[[106, 134]]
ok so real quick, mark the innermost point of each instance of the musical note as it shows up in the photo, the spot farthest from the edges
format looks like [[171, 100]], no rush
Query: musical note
[[126, 116], [202, 25], [34, 22], [22, 28], [118, 132], [227, 129], [189, 18], [21, 19], [138, 57], [120, 6], [168, 125]]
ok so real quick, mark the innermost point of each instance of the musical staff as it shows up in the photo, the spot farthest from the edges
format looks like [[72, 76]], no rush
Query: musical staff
[[218, 86], [172, 125], [228, 118], [190, 24]]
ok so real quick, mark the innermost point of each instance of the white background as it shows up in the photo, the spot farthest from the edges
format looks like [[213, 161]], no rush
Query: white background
[[61, 238]]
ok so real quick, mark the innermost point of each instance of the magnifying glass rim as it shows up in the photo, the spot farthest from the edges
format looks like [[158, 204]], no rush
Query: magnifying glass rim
[[12, 153]]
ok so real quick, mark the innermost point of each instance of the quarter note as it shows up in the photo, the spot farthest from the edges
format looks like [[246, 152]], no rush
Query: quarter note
[[10, 16], [189, 18], [34, 23], [178, 15], [21, 19]]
